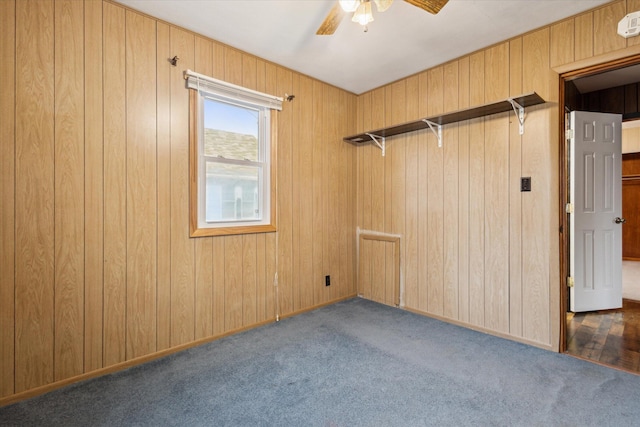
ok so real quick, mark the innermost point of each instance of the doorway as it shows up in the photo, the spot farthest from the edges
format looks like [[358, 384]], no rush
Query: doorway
[[611, 337]]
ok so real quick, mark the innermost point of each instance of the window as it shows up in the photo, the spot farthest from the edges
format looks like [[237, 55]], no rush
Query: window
[[232, 158]]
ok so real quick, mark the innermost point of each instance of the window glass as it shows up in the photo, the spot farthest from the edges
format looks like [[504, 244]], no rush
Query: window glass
[[230, 131], [232, 192]]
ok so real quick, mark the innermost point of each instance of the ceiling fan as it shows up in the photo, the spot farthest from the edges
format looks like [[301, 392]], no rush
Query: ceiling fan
[[362, 14]]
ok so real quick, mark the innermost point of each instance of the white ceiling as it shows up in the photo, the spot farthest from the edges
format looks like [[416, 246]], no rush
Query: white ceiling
[[400, 42]]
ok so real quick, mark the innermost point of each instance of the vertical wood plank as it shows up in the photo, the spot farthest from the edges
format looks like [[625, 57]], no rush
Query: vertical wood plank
[[232, 282], [348, 224], [34, 208], [388, 197], [450, 193], [536, 208], [410, 251], [632, 6], [515, 196], [605, 27], [261, 249], [423, 200], [295, 197], [203, 247], [233, 66], [584, 36], [463, 193], [318, 196], [271, 239], [271, 270], [378, 273], [261, 278], [435, 213], [249, 72], [163, 126], [249, 272], [336, 188], [69, 184], [219, 61], [141, 184], [496, 230], [219, 286], [364, 279], [7, 195], [182, 247], [476, 194], [398, 179], [285, 202], [115, 185], [562, 43], [203, 311], [93, 187], [306, 147]]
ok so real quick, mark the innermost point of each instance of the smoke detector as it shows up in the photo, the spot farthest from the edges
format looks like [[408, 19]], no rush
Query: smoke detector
[[629, 26]]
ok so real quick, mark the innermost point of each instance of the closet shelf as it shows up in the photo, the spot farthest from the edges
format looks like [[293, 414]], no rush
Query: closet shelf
[[435, 123]]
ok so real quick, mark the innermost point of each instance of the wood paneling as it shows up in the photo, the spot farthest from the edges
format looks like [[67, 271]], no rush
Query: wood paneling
[[97, 264], [497, 141], [141, 242], [476, 193], [163, 165], [182, 247], [7, 195], [537, 205], [631, 212], [633, 6], [115, 190], [451, 197], [477, 250], [93, 187], [515, 196], [584, 36], [34, 201], [562, 43], [605, 28], [69, 182]]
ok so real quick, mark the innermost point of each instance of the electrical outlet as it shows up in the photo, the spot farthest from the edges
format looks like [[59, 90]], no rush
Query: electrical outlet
[[327, 280], [525, 183]]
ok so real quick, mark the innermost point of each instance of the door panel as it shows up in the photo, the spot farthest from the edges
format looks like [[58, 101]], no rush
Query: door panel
[[595, 260]]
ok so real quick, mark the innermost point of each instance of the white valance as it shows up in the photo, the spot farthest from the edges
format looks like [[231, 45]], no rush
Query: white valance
[[209, 84]]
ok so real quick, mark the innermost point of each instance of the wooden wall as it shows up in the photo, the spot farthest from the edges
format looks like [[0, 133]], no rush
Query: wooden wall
[[631, 140], [96, 265], [475, 250]]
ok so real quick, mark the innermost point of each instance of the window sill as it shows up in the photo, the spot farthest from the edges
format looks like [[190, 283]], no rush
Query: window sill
[[229, 231]]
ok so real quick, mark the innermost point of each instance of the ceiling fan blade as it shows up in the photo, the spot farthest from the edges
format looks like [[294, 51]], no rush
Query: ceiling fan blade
[[431, 6], [331, 22]]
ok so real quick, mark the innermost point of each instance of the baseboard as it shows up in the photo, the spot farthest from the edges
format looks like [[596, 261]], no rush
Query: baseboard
[[14, 398], [543, 346]]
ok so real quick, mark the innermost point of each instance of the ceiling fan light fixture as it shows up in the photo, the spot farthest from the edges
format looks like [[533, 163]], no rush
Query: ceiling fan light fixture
[[363, 14], [383, 5], [349, 5]]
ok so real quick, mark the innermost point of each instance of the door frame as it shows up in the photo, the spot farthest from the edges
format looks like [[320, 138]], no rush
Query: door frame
[[564, 176]]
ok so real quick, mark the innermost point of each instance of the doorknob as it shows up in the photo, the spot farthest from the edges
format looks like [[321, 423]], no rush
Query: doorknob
[[619, 220]]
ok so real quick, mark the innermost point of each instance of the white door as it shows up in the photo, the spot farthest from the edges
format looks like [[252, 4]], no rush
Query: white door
[[595, 163]]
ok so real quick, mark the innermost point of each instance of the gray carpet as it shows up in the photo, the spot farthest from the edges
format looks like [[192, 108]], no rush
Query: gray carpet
[[356, 363]]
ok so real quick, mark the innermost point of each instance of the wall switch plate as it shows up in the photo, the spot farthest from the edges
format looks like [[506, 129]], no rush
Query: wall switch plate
[[525, 183], [327, 280]]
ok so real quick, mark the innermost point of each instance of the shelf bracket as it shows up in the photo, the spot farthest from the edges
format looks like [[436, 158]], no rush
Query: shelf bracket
[[519, 112], [379, 140], [436, 129]]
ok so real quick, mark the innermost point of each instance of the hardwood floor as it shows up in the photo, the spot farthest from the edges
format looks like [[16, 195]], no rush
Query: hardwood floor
[[611, 337]]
